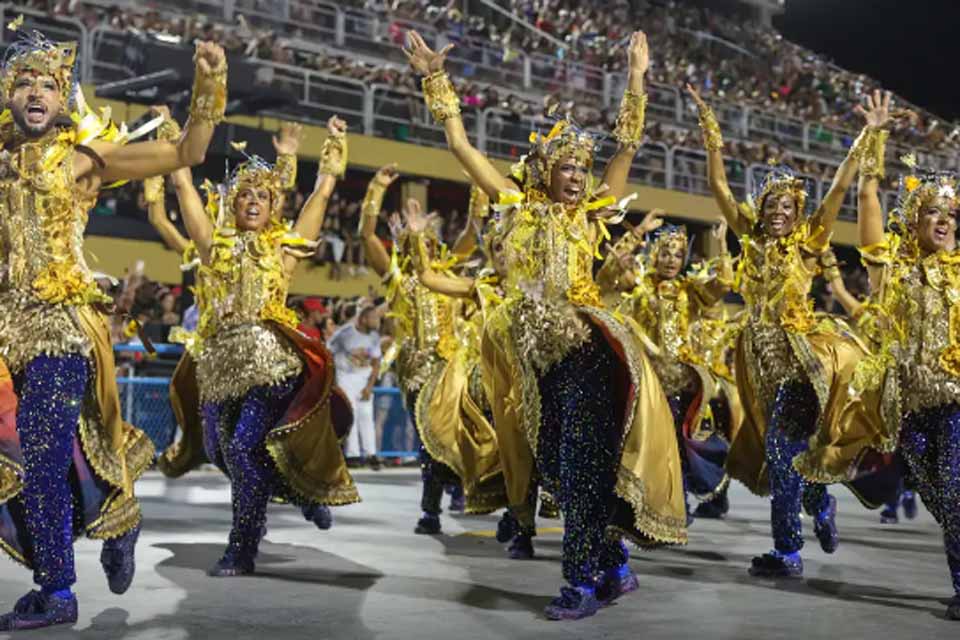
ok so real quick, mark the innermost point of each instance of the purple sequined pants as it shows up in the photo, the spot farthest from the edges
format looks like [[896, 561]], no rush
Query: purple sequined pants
[[577, 456], [50, 391], [234, 437], [792, 420], [930, 443]]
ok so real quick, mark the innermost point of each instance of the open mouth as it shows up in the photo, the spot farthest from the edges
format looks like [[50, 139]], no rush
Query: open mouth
[[941, 232], [36, 113], [571, 192], [252, 213]]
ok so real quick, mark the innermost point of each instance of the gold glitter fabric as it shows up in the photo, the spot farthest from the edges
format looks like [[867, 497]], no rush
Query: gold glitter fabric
[[240, 357], [41, 247], [242, 288], [629, 129], [441, 97]]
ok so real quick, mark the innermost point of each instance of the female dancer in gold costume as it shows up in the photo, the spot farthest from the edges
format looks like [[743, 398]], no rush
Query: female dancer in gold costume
[[667, 307], [271, 415], [575, 400], [792, 370]]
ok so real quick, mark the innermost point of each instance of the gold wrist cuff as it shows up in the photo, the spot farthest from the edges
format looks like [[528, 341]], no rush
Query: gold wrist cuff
[[169, 130], [441, 97], [333, 156], [420, 257], [831, 273], [153, 189], [372, 202], [479, 203], [285, 171], [209, 108], [710, 128], [630, 120], [870, 149]]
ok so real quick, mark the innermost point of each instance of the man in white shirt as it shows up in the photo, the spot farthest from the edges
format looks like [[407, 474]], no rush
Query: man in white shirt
[[356, 352]]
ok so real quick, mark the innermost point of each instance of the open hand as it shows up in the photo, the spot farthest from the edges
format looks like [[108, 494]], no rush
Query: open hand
[[650, 223], [413, 216], [639, 53], [287, 141], [423, 59], [387, 175], [696, 97]]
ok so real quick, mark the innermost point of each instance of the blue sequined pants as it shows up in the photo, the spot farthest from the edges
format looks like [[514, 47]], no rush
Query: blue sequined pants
[[50, 392], [792, 420], [234, 436], [577, 456], [930, 443]]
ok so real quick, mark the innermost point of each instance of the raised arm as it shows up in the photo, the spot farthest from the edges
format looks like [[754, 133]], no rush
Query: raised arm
[[868, 149], [153, 190], [444, 104], [333, 164], [721, 283], [716, 171], [159, 157], [617, 272], [630, 121], [370, 213], [831, 273], [416, 223], [199, 227], [479, 208], [157, 214]]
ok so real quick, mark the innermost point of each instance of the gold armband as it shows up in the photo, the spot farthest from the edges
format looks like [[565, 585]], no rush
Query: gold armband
[[831, 273], [285, 171], [479, 203], [441, 97], [333, 156], [710, 128], [372, 203], [209, 108], [869, 148], [419, 255], [153, 189], [630, 120], [169, 130]]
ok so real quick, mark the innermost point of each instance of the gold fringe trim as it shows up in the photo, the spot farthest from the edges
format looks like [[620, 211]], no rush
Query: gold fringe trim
[[119, 514], [660, 529]]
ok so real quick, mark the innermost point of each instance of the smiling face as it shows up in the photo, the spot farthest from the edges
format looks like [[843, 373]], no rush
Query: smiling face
[[779, 214], [568, 180], [936, 226], [252, 206], [670, 259], [35, 103]]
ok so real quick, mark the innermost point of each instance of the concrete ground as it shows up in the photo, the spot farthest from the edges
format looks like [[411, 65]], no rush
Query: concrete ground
[[371, 577]]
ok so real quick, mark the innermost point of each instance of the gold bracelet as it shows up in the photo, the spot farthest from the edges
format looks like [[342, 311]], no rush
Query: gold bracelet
[[831, 273], [209, 108], [169, 130], [285, 171], [870, 148], [153, 189], [419, 257], [630, 120], [333, 156], [441, 97], [372, 203], [479, 203], [710, 128]]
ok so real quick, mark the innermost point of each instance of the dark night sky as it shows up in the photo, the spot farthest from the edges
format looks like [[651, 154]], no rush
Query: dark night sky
[[911, 46]]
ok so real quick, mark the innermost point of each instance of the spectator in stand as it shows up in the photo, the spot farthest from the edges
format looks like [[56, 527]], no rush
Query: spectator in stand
[[315, 316], [356, 350]]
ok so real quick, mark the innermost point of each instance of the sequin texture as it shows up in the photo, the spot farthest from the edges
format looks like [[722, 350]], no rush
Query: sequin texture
[[50, 394], [792, 419], [577, 455], [701, 460], [930, 443], [234, 434]]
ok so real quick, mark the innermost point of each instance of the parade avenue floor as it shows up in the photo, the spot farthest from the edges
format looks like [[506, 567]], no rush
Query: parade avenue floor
[[371, 577]]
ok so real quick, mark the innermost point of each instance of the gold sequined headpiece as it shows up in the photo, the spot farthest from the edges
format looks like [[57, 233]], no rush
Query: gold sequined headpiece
[[565, 140], [33, 52], [670, 236], [780, 181], [921, 187], [256, 172]]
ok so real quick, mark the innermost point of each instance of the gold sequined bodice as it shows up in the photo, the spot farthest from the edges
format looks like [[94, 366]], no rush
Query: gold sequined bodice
[[244, 283], [926, 295], [42, 219], [548, 249], [775, 282]]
